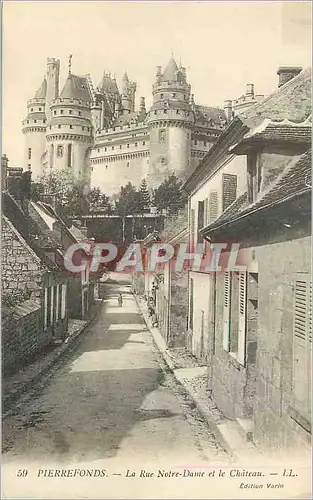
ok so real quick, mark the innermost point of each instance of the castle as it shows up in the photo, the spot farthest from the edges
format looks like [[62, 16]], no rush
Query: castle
[[100, 136]]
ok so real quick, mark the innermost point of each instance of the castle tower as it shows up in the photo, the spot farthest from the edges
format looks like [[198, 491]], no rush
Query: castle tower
[[53, 79], [34, 130], [128, 95], [170, 121], [69, 131]]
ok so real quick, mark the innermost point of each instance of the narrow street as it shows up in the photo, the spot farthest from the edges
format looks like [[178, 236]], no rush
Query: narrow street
[[110, 402]]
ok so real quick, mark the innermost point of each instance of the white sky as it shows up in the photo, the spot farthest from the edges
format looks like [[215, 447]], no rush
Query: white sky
[[224, 46]]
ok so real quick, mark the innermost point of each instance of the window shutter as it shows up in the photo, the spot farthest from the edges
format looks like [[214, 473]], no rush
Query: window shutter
[[226, 313], [46, 308], [302, 344], [52, 305], [192, 228], [200, 219], [63, 303], [213, 206], [57, 303], [191, 305], [206, 211], [242, 323], [229, 190]]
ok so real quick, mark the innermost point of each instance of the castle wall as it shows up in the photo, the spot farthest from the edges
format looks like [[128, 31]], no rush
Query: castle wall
[[34, 148]]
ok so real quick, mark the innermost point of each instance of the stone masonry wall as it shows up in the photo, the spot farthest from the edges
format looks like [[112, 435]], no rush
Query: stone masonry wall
[[21, 268]]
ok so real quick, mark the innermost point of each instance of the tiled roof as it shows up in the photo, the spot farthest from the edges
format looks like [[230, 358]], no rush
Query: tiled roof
[[170, 72], [37, 115], [295, 180], [291, 102], [206, 113], [76, 87], [70, 120], [108, 85], [129, 118]]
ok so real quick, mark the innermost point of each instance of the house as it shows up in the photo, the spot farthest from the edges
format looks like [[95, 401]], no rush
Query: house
[[260, 364], [81, 285], [34, 288], [219, 180]]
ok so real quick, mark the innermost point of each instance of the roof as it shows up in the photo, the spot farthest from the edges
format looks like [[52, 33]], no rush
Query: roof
[[108, 84], [29, 230], [170, 72], [294, 180], [42, 91], [76, 87], [291, 101], [207, 113], [130, 118], [37, 115], [284, 132]]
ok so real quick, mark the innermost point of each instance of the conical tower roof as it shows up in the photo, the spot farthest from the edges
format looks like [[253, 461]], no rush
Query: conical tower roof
[[76, 87], [42, 91], [170, 72]]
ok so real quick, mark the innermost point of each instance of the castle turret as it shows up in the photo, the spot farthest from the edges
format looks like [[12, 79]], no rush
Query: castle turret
[[69, 131], [53, 79], [34, 130], [128, 95], [170, 120]]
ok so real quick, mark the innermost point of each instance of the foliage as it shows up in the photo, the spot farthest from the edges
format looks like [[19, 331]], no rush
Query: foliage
[[98, 202], [143, 198], [169, 196], [128, 200]]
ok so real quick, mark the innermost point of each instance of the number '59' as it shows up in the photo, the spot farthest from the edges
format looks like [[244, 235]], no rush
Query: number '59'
[[22, 473]]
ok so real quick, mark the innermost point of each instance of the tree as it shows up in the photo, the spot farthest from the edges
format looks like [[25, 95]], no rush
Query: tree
[[128, 200], [98, 201], [143, 198], [169, 195]]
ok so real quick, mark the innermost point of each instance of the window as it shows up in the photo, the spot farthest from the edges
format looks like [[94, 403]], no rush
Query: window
[[39, 109], [98, 150], [32, 109], [173, 94], [143, 143], [165, 111], [161, 96], [35, 121], [29, 153], [120, 146], [112, 148], [136, 144], [162, 136], [128, 163], [83, 128], [229, 190], [302, 344], [71, 126], [155, 112], [128, 145], [54, 112], [253, 176], [106, 166], [213, 206], [70, 112], [204, 144], [105, 149], [191, 294], [60, 151], [79, 113], [69, 155], [162, 160], [59, 126], [62, 111]]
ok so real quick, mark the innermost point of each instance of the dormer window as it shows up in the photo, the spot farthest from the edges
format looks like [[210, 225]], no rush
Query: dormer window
[[253, 176]]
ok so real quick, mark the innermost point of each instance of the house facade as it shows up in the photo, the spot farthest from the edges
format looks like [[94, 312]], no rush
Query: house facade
[[259, 370]]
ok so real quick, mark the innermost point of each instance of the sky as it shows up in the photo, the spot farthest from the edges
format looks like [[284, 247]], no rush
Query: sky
[[223, 45]]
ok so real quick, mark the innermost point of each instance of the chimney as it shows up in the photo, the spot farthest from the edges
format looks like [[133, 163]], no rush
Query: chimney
[[250, 90], [4, 172], [228, 108], [286, 73]]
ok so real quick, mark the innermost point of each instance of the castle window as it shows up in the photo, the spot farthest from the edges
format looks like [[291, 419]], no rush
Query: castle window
[[165, 111], [204, 144], [112, 147], [128, 145], [128, 163], [27, 121], [35, 121], [185, 97], [143, 143], [162, 136], [70, 112], [71, 126], [39, 109], [83, 128], [44, 120], [177, 111], [59, 126], [106, 166], [155, 112], [114, 129], [32, 109], [162, 161], [196, 142], [98, 150], [61, 111], [79, 113], [29, 153], [161, 96], [120, 146], [105, 149], [69, 155], [173, 95], [136, 144], [54, 112]]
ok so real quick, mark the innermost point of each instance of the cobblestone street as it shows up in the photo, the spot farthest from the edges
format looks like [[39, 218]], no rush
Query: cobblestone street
[[110, 401]]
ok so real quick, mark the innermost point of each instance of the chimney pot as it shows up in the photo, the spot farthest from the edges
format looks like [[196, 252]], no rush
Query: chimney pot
[[228, 108], [250, 90], [286, 73]]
